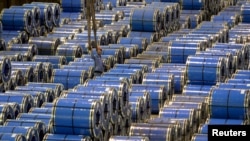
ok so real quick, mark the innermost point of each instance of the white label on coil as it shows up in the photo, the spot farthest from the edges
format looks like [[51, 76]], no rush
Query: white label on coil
[[248, 85], [242, 91]]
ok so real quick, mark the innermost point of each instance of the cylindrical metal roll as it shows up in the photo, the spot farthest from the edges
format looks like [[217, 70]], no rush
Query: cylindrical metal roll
[[154, 132], [40, 110], [6, 68], [151, 63], [128, 138], [157, 94], [13, 55], [46, 14], [39, 70], [56, 61], [12, 136], [56, 87], [6, 112], [69, 78], [28, 73], [45, 118], [38, 125], [25, 101], [61, 137], [36, 12], [111, 91], [15, 106], [140, 41], [38, 97], [103, 98], [137, 72], [229, 103], [167, 81], [80, 66], [205, 70], [197, 90], [138, 108], [22, 35], [122, 89], [67, 109], [72, 5], [62, 37], [145, 19], [45, 45], [29, 48], [84, 45], [69, 51], [30, 133], [17, 19]]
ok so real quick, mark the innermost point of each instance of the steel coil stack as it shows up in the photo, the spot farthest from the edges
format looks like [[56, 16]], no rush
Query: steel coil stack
[[23, 36], [49, 137], [89, 126], [56, 61], [69, 51], [6, 68]]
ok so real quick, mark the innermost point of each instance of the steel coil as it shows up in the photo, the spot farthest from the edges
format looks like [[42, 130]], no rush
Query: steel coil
[[137, 72], [140, 41], [122, 89], [157, 78], [40, 110], [6, 68], [45, 118], [42, 31], [152, 131], [137, 107], [80, 66], [61, 137], [205, 70], [68, 30], [197, 90], [111, 91], [107, 59], [115, 77], [22, 35], [151, 36], [128, 138], [69, 51], [47, 92], [150, 23], [12, 136], [72, 5], [69, 78], [15, 106], [38, 125], [175, 112], [7, 112], [56, 61], [76, 108], [12, 55], [157, 94], [151, 63], [147, 103], [62, 37], [46, 14], [230, 64], [129, 76], [181, 128], [179, 76], [38, 97], [203, 129], [103, 98], [30, 49], [56, 87], [45, 45], [38, 68], [229, 103], [56, 11], [17, 19], [115, 52], [36, 12]]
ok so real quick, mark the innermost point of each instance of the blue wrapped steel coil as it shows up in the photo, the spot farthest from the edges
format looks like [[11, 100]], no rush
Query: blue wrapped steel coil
[[56, 61], [69, 78], [205, 70], [128, 138], [67, 109], [12, 136], [229, 103], [38, 125], [61, 137], [69, 51], [72, 5], [31, 133], [157, 94], [137, 107], [145, 19], [6, 112], [40, 110], [29, 48]]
